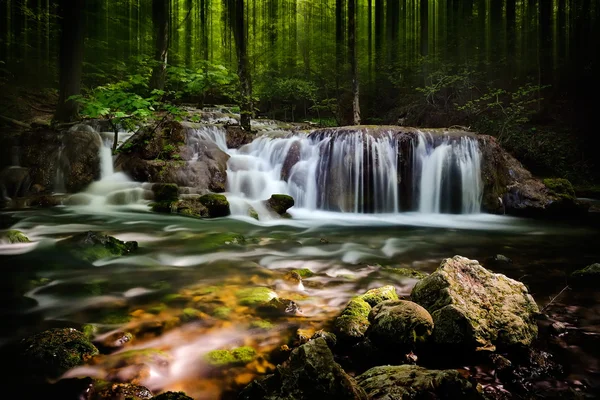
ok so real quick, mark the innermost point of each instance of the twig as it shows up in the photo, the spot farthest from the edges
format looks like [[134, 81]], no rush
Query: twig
[[15, 122], [40, 110], [555, 297]]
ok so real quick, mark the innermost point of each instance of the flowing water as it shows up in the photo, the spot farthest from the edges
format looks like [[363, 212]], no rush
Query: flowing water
[[185, 263]]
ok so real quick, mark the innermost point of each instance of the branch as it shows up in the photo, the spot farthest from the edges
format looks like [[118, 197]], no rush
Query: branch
[[15, 122], [555, 297], [40, 110]]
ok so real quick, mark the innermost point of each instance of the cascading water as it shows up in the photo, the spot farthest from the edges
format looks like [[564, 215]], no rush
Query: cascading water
[[355, 171]]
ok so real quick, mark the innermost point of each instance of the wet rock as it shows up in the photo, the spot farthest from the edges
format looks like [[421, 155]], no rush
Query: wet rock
[[404, 272], [293, 277], [589, 275], [329, 337], [279, 307], [398, 325], [292, 158], [49, 354], [14, 236], [558, 328], [165, 192], [280, 203], [310, 373], [237, 137], [114, 341], [172, 396], [92, 246], [224, 358], [353, 322], [14, 182], [406, 382], [303, 273], [561, 188], [254, 297], [216, 205], [80, 158], [475, 308], [253, 213], [192, 208], [121, 391]]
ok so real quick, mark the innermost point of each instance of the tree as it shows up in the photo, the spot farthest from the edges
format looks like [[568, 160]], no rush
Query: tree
[[160, 19], [237, 22], [70, 58], [352, 55]]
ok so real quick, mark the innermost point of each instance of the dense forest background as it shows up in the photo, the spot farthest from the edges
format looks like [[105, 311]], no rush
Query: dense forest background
[[525, 71]]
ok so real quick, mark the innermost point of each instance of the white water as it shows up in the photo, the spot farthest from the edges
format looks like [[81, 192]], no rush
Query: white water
[[351, 173]]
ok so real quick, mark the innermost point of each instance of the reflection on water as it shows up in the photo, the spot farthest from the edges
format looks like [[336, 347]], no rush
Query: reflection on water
[[203, 265]]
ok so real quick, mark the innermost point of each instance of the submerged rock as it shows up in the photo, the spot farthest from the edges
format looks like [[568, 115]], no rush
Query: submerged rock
[[92, 246], [49, 354], [224, 358], [255, 296], [398, 325], [14, 236], [407, 382], [310, 373], [280, 307], [475, 308], [280, 203]]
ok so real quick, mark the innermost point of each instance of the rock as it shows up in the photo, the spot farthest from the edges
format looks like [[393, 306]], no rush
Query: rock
[[303, 273], [329, 337], [165, 192], [280, 203], [292, 158], [192, 208], [222, 358], [14, 182], [115, 341], [589, 275], [310, 373], [253, 213], [80, 158], [279, 307], [14, 236], [407, 382], [255, 296], [92, 246], [165, 155], [237, 137], [398, 325], [216, 205], [353, 322], [172, 396], [404, 272], [49, 354], [122, 391], [561, 188], [475, 308]]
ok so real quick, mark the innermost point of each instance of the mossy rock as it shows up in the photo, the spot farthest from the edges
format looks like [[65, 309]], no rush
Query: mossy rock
[[120, 391], [261, 324], [165, 192], [221, 312], [377, 295], [405, 272], [165, 207], [216, 204], [191, 208], [405, 382], [561, 188], [191, 314], [304, 272], [399, 325], [254, 297], [14, 236], [226, 358], [253, 213], [92, 246], [280, 203], [115, 341], [353, 322], [278, 307], [49, 354], [172, 396], [589, 275]]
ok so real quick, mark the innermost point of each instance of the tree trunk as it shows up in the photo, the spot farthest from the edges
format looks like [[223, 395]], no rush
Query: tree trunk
[[352, 55], [160, 18], [189, 35], [70, 59], [237, 22]]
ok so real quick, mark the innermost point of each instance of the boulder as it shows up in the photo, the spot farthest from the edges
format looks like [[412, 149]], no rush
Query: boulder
[[165, 192], [14, 182], [14, 236], [310, 373], [49, 354], [121, 391], [166, 155], [476, 308], [172, 396], [398, 325], [407, 382], [92, 246], [589, 275], [237, 137], [216, 205], [280, 203]]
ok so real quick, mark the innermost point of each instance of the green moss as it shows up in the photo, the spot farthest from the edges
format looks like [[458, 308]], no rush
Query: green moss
[[353, 322], [407, 272], [304, 272], [255, 296], [357, 307], [92, 246], [172, 396], [239, 356], [261, 324], [376, 296], [14, 236], [90, 330], [190, 314], [165, 207], [252, 213], [561, 188], [217, 240], [216, 204], [207, 290], [114, 317], [157, 309], [165, 192], [280, 203], [174, 298], [221, 312], [589, 274]]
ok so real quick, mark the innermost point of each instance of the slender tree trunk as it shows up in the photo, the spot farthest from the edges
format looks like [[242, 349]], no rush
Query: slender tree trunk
[[352, 55], [189, 34], [160, 18], [237, 23], [70, 58]]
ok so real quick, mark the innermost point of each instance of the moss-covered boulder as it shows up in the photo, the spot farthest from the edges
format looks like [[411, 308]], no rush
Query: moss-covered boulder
[[353, 322], [49, 354], [172, 396], [589, 275], [120, 391], [254, 297], [476, 308], [165, 192], [408, 382], [224, 358], [310, 373], [216, 205], [398, 325], [14, 236], [92, 246], [561, 188], [280, 203], [191, 208]]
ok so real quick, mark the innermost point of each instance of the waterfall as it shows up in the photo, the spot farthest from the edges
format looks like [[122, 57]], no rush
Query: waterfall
[[353, 171]]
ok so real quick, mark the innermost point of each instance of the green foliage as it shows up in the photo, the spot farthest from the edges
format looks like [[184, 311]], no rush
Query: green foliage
[[210, 80]]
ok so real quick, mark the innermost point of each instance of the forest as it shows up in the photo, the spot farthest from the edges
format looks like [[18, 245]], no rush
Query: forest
[[299, 199]]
